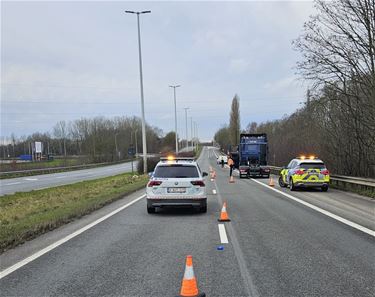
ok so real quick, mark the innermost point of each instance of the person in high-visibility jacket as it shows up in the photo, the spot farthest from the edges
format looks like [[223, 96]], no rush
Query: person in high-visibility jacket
[[231, 165]]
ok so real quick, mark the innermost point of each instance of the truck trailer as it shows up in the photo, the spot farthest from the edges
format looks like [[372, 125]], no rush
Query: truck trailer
[[252, 155]]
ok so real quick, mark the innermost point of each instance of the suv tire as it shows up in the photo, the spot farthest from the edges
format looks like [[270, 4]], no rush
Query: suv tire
[[151, 209], [203, 208]]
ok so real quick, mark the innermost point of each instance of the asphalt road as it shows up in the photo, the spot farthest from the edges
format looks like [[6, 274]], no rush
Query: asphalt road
[[277, 247], [35, 182]]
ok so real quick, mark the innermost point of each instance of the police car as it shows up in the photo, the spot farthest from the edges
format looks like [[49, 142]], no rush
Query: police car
[[305, 172], [176, 182]]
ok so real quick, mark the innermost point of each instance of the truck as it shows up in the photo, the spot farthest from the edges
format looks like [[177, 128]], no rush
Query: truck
[[252, 155]]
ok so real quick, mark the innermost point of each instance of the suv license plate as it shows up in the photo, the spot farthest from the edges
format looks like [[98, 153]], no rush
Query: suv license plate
[[176, 190]]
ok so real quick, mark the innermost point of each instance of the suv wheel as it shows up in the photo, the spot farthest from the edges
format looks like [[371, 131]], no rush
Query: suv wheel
[[203, 208], [151, 209]]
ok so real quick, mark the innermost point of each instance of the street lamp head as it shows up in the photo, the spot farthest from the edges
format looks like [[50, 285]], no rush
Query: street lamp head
[[138, 12], [177, 86]]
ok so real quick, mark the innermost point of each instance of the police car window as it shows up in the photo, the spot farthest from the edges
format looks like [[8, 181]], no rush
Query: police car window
[[312, 165], [290, 164], [176, 171]]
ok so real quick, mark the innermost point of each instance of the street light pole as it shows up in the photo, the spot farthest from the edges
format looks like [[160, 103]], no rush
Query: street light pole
[[175, 115], [144, 145], [191, 131], [136, 142], [187, 142]]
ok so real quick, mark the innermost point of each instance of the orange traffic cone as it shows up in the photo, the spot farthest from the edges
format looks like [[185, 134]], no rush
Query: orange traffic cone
[[231, 179], [223, 214], [189, 286], [271, 183]]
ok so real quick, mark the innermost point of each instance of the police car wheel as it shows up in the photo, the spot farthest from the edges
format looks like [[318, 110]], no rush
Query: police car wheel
[[292, 187], [324, 188], [281, 183]]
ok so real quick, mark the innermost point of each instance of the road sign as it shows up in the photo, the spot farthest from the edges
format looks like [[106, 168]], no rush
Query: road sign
[[131, 151]]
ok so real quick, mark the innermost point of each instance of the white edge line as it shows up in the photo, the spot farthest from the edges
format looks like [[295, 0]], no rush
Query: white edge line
[[223, 233], [15, 183], [327, 213], [52, 246]]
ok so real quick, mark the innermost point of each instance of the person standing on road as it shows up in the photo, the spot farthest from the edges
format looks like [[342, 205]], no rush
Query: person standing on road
[[230, 164], [222, 162]]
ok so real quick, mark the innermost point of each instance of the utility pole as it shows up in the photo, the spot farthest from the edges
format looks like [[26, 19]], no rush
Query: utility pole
[[144, 145], [187, 141], [175, 115]]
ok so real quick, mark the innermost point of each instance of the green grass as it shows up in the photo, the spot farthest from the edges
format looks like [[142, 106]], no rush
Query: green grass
[[41, 164], [24, 216]]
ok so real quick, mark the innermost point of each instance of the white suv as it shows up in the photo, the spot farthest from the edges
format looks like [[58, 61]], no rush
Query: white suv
[[176, 182]]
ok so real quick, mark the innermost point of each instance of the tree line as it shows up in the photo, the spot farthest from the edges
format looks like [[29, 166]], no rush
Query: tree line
[[98, 139], [337, 122]]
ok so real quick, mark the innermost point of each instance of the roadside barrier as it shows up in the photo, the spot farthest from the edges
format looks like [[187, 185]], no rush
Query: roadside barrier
[[189, 287], [223, 214]]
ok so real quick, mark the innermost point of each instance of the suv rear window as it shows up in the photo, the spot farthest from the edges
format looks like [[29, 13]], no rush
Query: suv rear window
[[312, 165], [176, 171]]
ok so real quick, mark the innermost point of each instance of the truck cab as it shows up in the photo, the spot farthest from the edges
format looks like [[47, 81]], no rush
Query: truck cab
[[253, 153]]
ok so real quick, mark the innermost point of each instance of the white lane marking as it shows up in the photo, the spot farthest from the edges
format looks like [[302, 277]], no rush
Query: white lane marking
[[30, 179], [223, 234], [214, 191], [52, 246], [327, 213], [16, 183], [63, 176]]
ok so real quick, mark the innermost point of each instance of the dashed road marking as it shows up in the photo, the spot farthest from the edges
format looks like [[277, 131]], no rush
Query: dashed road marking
[[30, 179], [223, 234], [327, 213], [214, 191], [52, 246], [63, 176]]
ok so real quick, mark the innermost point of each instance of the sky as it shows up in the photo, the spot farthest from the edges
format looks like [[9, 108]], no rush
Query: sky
[[68, 60]]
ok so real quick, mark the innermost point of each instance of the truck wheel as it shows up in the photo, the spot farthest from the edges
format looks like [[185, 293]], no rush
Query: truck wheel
[[292, 187], [281, 183]]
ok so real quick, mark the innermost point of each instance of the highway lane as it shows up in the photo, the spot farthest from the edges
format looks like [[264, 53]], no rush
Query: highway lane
[[35, 182], [277, 247]]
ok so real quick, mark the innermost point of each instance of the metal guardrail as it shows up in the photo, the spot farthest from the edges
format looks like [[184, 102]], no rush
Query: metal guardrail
[[49, 169], [343, 182]]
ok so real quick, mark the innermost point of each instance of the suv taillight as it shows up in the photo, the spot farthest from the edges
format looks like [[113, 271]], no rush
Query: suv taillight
[[325, 172], [199, 183], [154, 183]]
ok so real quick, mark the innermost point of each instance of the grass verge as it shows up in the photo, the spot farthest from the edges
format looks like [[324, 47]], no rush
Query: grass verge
[[24, 216]]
